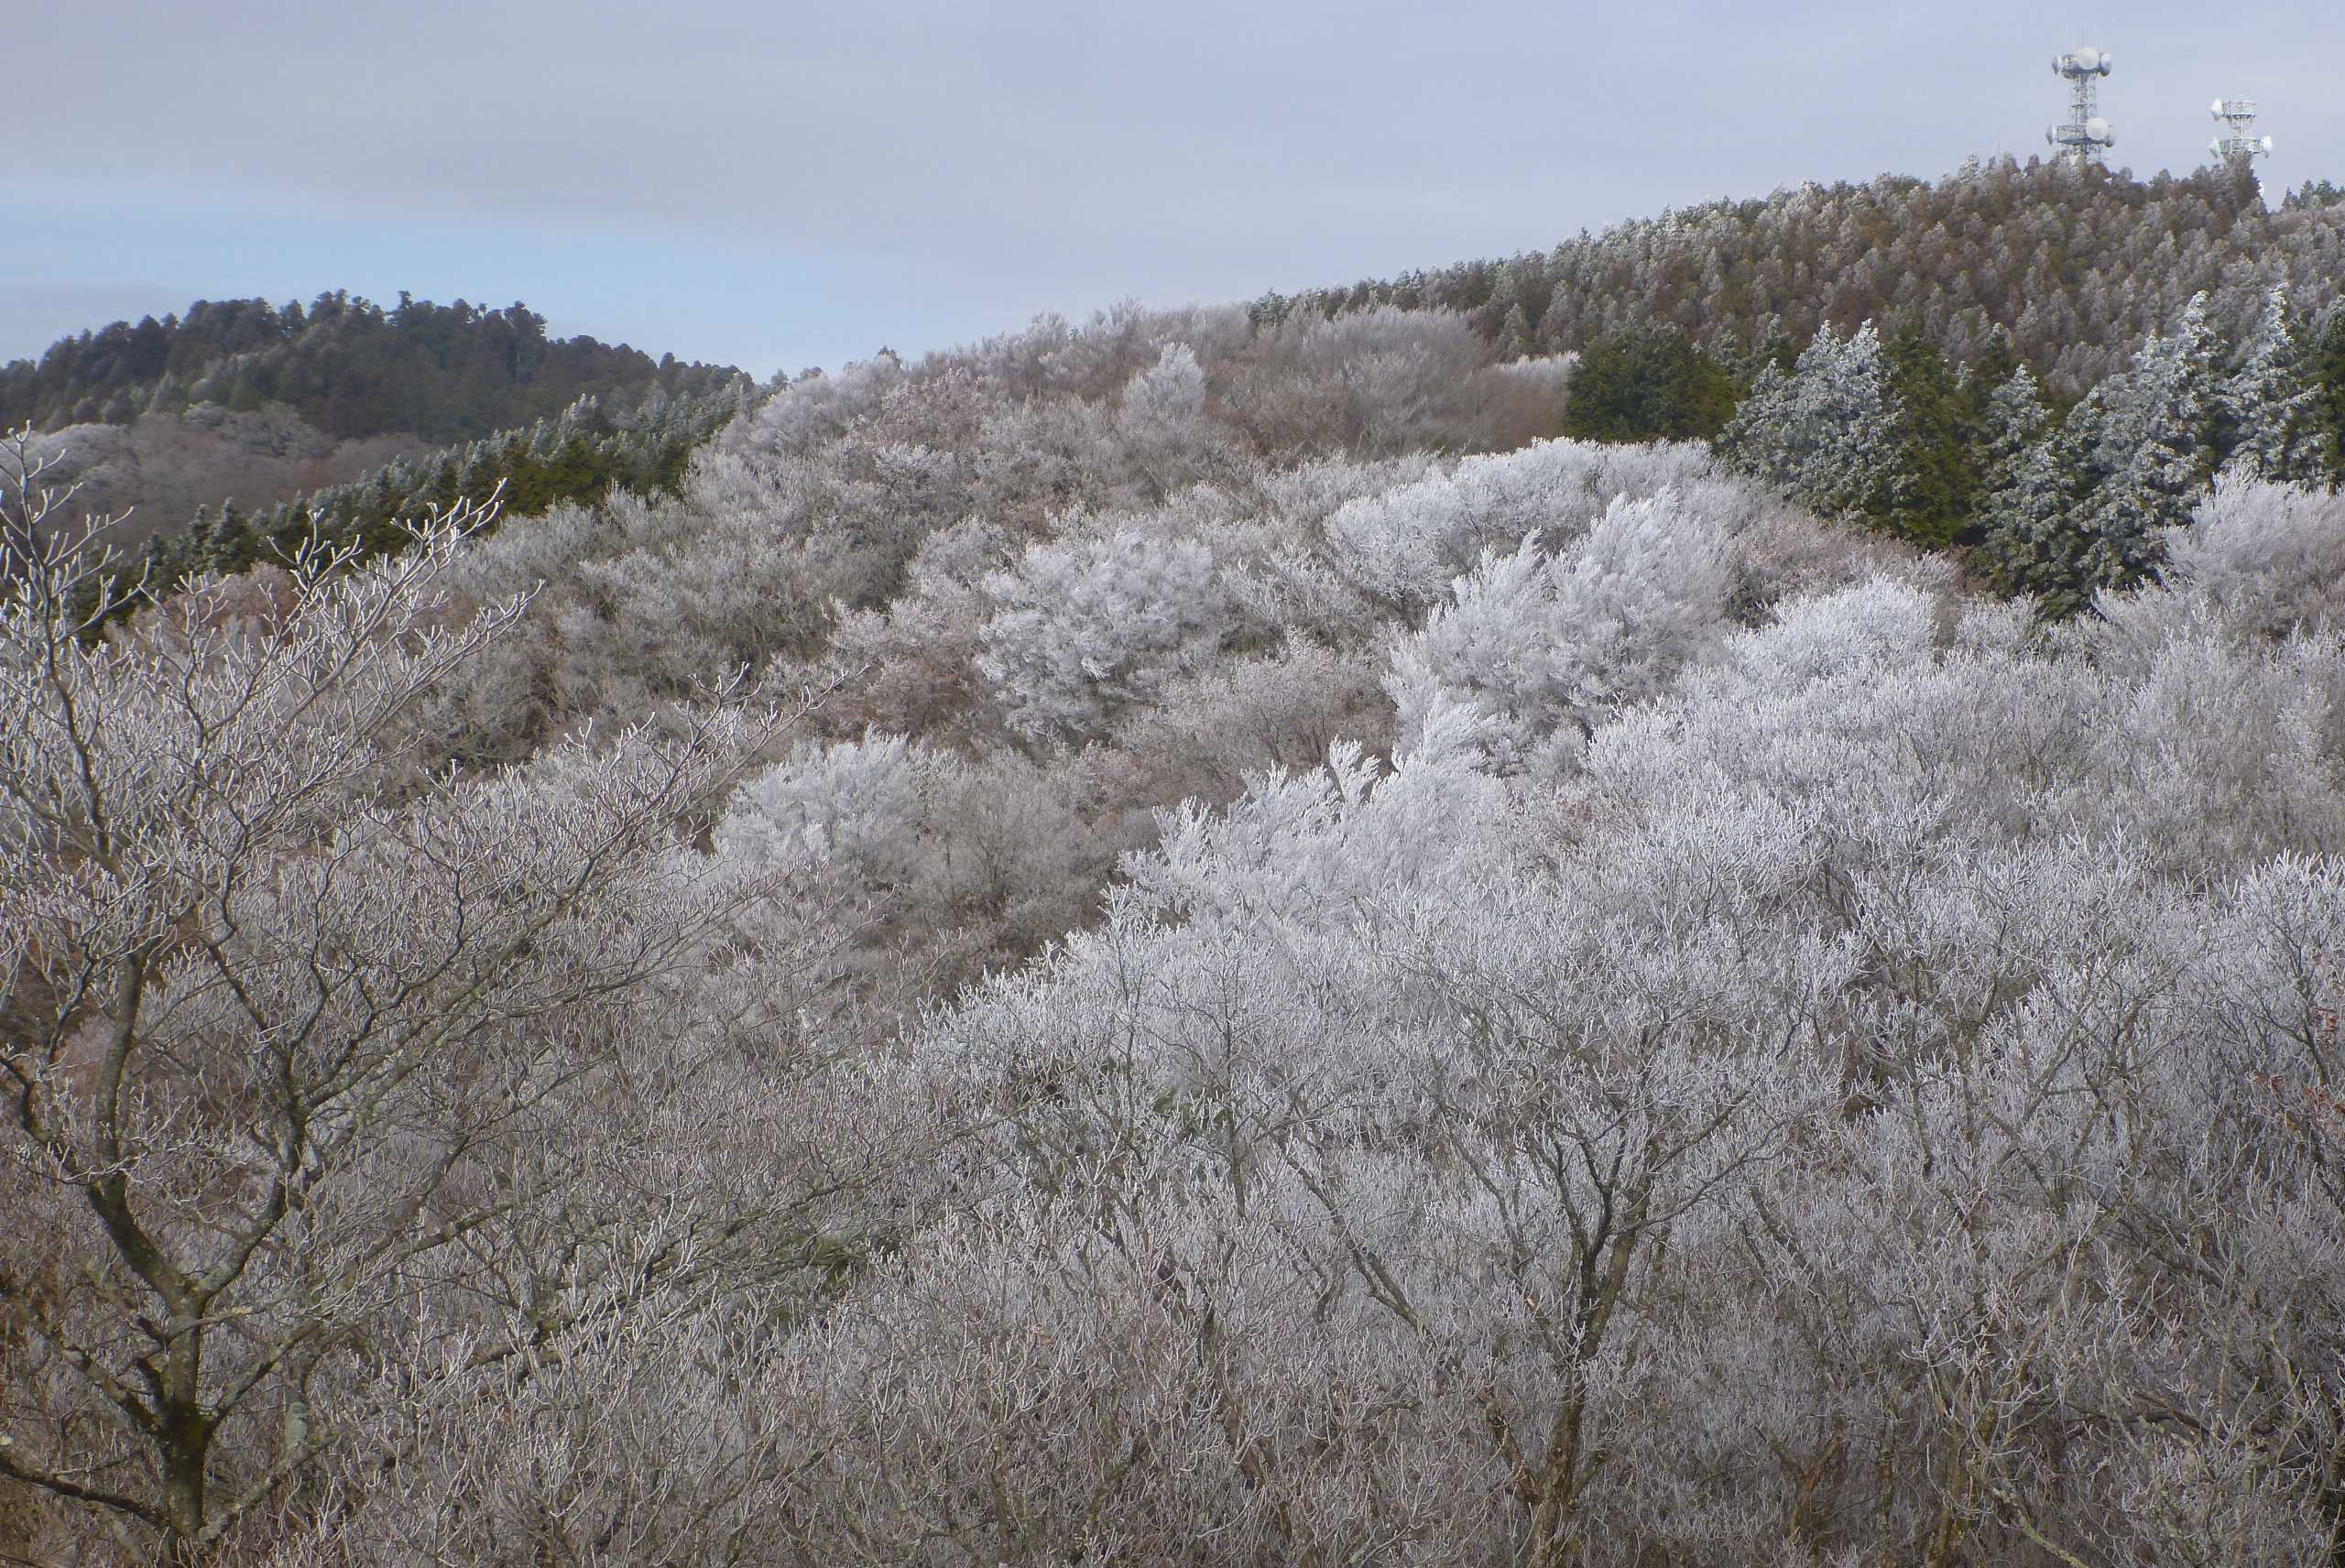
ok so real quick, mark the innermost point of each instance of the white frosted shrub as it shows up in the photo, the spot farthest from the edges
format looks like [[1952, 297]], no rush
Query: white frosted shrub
[[1165, 403], [1081, 630], [1032, 460], [1325, 838], [1167, 439], [964, 859], [852, 802], [1284, 709], [1306, 495], [2271, 556], [2221, 756], [1371, 383], [1873, 628], [1406, 544], [912, 667], [1543, 644], [811, 413]]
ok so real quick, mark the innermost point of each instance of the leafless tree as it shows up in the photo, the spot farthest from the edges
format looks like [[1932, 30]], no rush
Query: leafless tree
[[296, 1060]]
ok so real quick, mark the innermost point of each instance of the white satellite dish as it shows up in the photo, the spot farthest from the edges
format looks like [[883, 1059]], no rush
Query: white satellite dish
[[2267, 144], [2084, 134]]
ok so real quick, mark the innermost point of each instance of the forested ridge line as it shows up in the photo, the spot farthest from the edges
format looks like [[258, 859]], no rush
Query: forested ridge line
[[2075, 262], [346, 366]]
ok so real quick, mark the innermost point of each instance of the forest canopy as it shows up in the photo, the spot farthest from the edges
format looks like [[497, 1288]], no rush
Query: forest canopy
[[345, 364], [1204, 937]]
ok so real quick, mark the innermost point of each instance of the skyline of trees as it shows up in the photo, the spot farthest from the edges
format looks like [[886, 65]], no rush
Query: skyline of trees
[[346, 366], [2075, 264]]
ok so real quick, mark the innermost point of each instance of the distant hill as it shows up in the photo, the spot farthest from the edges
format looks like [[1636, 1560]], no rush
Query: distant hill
[[245, 401], [345, 366], [2077, 265]]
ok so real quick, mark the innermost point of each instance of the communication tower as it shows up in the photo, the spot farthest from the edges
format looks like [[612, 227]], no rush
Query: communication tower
[[2237, 141], [2086, 135]]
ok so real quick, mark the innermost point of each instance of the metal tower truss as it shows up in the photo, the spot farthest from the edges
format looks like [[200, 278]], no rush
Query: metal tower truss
[[2086, 135], [2237, 141]]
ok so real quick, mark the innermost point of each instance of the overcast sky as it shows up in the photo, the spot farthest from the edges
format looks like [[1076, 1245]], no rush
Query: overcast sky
[[779, 184]]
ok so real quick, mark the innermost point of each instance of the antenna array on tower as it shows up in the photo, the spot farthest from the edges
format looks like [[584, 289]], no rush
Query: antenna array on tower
[[2237, 141], [2086, 135]]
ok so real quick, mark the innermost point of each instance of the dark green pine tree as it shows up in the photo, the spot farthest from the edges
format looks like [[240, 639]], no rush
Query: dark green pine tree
[[1936, 455], [2035, 539], [2157, 449], [1647, 384], [2267, 403], [232, 545], [2325, 413]]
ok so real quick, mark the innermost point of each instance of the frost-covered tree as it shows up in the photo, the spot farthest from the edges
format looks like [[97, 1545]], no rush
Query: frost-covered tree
[[1827, 433], [1405, 542], [2015, 421], [2269, 556], [2087, 506], [2268, 401], [1515, 340], [1083, 629], [328, 1089], [1162, 421], [2154, 448], [2035, 537], [1368, 383], [1541, 644]]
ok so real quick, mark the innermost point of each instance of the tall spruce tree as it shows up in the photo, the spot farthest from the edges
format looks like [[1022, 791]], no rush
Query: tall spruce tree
[[2325, 370], [1829, 433], [2155, 448], [2268, 404], [2036, 538], [1936, 463], [2014, 420]]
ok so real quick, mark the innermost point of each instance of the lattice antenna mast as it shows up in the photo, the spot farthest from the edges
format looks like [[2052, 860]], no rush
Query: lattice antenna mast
[[2086, 135], [2237, 141]]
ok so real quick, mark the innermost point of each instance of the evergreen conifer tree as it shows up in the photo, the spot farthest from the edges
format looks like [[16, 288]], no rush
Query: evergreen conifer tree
[[1514, 334], [2268, 403], [2035, 540], [2013, 421], [1992, 368], [228, 543], [1935, 466], [2156, 447], [1829, 434], [1647, 384], [2325, 372]]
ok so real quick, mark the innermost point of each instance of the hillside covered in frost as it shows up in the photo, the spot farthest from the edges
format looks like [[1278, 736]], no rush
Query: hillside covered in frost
[[1200, 940]]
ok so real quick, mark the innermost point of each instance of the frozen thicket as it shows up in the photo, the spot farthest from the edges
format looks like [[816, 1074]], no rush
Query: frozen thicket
[[1122, 946], [1081, 631]]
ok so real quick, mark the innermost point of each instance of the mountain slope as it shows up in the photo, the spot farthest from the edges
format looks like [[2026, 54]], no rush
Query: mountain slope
[[248, 401], [2077, 265]]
